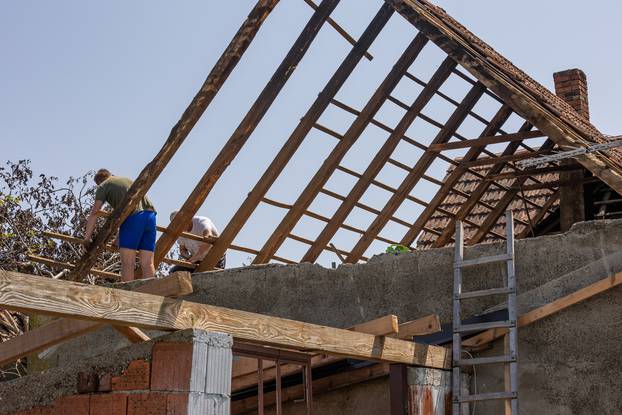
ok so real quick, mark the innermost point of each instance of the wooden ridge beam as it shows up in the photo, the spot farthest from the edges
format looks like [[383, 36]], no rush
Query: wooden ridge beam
[[548, 309], [244, 130], [411, 180], [216, 78], [294, 141], [27, 293], [484, 141], [498, 77], [334, 158], [452, 179], [60, 330], [378, 162]]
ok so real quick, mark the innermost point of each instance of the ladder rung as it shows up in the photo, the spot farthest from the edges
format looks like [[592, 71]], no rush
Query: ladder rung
[[486, 360], [483, 260], [484, 326], [483, 293], [488, 396]]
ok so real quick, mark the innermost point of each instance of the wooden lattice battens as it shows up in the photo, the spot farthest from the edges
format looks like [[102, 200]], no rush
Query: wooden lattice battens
[[334, 158], [26, 293], [60, 330], [484, 141], [452, 179], [541, 213], [339, 29], [244, 130], [378, 162], [480, 190], [504, 202], [296, 138], [536, 104], [534, 172], [411, 180], [216, 78]]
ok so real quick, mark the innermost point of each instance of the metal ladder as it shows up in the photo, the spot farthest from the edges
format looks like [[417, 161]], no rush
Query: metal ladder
[[510, 358]]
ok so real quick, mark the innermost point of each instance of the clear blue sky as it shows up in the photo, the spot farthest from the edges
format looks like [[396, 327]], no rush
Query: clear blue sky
[[100, 84]]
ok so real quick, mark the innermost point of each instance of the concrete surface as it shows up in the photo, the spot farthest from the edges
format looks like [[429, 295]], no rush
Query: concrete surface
[[569, 363]]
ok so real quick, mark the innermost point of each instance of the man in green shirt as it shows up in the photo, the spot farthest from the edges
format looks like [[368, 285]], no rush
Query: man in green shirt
[[137, 232]]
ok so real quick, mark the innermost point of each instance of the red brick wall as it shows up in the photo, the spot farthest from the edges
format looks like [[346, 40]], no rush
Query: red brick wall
[[158, 387], [571, 86]]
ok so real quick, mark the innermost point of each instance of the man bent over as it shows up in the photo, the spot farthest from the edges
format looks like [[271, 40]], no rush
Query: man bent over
[[137, 232]]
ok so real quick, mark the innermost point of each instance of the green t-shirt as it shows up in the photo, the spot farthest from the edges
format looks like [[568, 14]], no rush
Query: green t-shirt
[[113, 190]]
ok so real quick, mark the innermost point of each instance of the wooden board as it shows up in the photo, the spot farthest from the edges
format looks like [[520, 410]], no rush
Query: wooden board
[[27, 293], [548, 309], [62, 329], [382, 326], [420, 327]]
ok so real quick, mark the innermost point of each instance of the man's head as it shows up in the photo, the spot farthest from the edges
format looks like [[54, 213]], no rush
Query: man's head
[[101, 176]]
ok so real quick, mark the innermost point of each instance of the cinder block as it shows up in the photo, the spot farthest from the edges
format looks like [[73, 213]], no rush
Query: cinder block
[[71, 405], [135, 377], [171, 366], [147, 404], [108, 404]]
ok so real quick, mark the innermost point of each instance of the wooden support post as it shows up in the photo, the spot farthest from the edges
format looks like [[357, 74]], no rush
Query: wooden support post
[[411, 180], [334, 158], [297, 137], [180, 131], [57, 331], [548, 309], [26, 293], [379, 161], [244, 130], [449, 183]]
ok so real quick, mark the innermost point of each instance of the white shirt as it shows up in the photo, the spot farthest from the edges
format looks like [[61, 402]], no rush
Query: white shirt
[[200, 224]]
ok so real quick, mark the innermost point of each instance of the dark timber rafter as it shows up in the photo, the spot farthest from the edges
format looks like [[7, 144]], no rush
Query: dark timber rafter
[[245, 129], [295, 140], [411, 180], [216, 78], [332, 161], [379, 160]]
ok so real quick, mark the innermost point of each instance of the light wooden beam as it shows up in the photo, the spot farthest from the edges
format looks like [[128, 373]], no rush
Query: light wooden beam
[[57, 331], [66, 265], [420, 327], [216, 78], [548, 309], [27, 293], [484, 141]]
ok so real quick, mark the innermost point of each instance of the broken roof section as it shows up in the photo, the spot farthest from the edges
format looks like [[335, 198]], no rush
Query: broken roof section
[[515, 95]]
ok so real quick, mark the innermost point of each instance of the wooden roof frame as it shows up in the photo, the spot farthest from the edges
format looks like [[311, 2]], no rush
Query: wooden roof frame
[[544, 113]]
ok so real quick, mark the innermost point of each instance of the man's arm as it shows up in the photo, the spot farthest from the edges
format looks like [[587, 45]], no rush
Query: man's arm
[[203, 249], [91, 221]]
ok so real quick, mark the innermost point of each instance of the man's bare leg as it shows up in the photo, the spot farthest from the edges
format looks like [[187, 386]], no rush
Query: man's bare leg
[[128, 262], [146, 264]]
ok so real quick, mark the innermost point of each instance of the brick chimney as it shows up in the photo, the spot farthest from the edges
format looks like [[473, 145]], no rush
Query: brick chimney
[[571, 86]]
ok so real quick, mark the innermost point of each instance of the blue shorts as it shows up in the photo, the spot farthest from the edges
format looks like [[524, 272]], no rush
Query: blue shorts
[[138, 232]]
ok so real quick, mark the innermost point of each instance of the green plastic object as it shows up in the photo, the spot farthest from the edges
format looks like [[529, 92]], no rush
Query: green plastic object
[[397, 249]]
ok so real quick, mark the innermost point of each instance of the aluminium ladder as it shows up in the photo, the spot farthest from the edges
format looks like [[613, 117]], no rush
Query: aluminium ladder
[[510, 358]]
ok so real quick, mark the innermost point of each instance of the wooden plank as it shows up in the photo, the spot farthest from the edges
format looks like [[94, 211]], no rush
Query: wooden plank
[[502, 80], [65, 265], [378, 162], [484, 141], [420, 327], [549, 309], [132, 334], [216, 78], [27, 293], [452, 179], [486, 161], [382, 326], [411, 180], [532, 172], [57, 331], [244, 130], [334, 158]]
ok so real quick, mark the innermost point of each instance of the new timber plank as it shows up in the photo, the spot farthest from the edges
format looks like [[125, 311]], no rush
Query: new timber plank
[[548, 309], [33, 341], [355, 130], [27, 293], [244, 130], [420, 327], [216, 78], [257, 194]]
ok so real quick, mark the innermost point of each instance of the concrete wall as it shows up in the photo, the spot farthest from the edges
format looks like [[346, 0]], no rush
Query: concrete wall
[[569, 363]]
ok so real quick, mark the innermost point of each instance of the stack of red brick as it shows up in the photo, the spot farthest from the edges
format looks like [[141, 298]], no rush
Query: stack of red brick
[[159, 387], [571, 86]]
